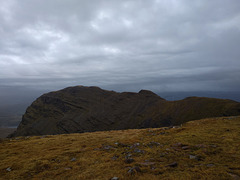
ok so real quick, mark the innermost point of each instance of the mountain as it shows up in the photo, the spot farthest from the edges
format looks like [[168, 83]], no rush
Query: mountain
[[200, 149], [86, 109]]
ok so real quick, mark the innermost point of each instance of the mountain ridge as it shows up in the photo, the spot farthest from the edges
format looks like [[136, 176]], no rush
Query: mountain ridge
[[85, 109]]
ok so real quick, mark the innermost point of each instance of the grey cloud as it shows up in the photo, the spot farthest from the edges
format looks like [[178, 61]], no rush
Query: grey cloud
[[126, 45]]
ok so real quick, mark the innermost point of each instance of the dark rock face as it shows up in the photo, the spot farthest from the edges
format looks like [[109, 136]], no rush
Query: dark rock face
[[85, 109]]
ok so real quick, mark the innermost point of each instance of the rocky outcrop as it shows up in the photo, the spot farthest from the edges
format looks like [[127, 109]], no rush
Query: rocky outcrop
[[85, 109]]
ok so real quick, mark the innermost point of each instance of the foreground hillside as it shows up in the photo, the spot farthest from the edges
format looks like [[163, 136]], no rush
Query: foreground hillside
[[202, 149], [88, 109]]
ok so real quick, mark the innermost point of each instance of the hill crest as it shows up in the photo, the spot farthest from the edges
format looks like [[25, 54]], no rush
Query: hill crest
[[85, 109]]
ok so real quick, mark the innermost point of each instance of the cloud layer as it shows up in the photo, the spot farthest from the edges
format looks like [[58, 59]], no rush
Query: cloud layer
[[162, 45]]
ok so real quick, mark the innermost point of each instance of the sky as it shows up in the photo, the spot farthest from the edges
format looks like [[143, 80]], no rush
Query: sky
[[122, 45]]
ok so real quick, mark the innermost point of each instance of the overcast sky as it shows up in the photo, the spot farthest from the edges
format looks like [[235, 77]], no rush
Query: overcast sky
[[124, 45]]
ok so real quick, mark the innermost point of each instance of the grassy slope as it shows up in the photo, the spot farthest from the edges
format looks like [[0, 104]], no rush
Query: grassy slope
[[213, 143]]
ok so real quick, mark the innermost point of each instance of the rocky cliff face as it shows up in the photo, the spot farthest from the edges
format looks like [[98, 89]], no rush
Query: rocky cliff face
[[85, 109]]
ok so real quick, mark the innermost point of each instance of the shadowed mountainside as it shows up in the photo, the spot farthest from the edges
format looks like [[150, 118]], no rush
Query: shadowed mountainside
[[86, 109]]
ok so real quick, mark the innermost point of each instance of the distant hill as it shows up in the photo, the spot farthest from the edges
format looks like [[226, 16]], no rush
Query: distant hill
[[4, 132], [14, 102], [173, 96], [200, 149], [86, 109], [11, 114]]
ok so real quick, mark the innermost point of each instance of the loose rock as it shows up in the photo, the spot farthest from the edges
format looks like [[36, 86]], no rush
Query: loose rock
[[178, 144], [115, 178], [213, 145], [234, 176], [67, 168], [175, 127], [198, 158], [107, 147], [134, 145], [192, 157], [200, 146], [174, 164], [8, 169], [73, 159], [147, 163], [114, 158], [210, 165], [185, 147], [128, 155], [136, 150], [152, 144], [134, 170], [129, 161]]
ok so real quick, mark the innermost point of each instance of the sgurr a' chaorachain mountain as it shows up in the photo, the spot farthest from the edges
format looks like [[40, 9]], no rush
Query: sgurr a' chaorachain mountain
[[87, 109]]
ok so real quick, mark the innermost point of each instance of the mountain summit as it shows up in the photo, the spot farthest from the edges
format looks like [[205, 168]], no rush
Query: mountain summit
[[85, 109]]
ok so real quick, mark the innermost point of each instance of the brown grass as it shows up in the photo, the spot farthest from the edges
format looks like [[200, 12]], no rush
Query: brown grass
[[214, 146]]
